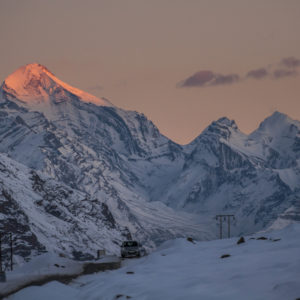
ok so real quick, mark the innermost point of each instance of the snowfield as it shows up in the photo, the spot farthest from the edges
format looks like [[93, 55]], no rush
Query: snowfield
[[50, 267], [179, 269]]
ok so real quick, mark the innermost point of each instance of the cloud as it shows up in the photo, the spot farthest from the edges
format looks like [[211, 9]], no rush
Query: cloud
[[208, 78], [204, 78], [257, 73], [281, 73], [200, 78], [290, 62], [226, 79]]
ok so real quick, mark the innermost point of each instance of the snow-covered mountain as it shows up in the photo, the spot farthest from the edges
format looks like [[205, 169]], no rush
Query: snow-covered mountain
[[227, 171], [154, 188], [45, 215]]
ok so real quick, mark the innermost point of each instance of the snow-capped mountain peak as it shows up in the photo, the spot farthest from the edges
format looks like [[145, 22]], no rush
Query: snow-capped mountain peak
[[282, 134], [34, 84], [223, 127], [227, 122], [276, 124]]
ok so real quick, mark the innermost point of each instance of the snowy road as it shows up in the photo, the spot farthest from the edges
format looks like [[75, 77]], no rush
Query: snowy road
[[256, 269]]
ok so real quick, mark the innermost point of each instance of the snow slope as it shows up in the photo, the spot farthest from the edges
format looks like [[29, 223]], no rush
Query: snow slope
[[179, 269], [44, 215], [154, 188], [49, 267], [226, 171]]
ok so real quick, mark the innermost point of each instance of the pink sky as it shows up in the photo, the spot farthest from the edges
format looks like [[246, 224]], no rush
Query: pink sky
[[138, 53]]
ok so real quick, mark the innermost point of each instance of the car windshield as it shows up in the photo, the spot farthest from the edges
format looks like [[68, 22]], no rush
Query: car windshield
[[130, 244]]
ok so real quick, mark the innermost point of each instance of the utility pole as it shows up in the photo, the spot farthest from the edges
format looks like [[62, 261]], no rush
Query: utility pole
[[0, 254], [221, 218], [228, 218], [2, 273], [11, 252]]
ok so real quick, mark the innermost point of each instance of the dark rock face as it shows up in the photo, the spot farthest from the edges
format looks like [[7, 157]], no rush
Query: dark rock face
[[40, 209], [109, 219], [17, 223]]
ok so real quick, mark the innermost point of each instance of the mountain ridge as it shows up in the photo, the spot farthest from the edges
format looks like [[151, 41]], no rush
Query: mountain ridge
[[153, 187], [33, 70]]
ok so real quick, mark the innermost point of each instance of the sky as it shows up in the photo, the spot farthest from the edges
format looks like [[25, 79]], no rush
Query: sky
[[183, 63]]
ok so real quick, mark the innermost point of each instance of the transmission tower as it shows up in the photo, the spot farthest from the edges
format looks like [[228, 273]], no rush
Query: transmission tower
[[223, 218]]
